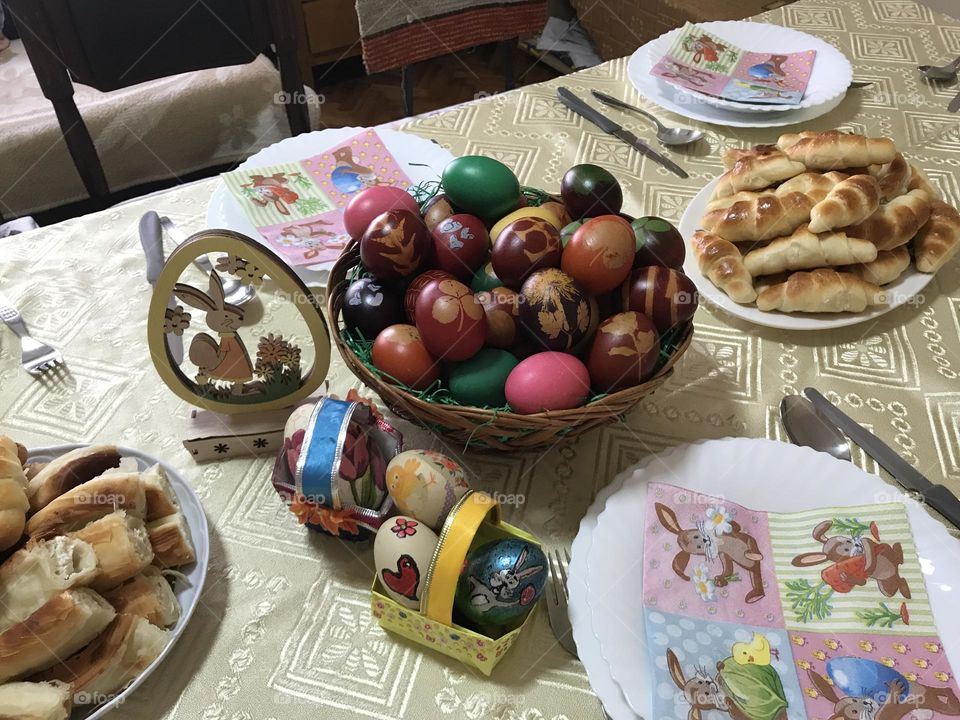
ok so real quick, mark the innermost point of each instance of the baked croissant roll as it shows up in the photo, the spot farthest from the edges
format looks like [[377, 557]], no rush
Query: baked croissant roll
[[895, 223], [888, 266], [767, 216], [833, 150], [893, 177], [722, 263], [13, 496], [122, 547], [919, 181], [849, 202], [939, 239], [88, 502], [733, 155], [69, 470], [171, 540], [147, 595], [815, 185], [756, 172], [36, 700], [820, 290], [804, 249]]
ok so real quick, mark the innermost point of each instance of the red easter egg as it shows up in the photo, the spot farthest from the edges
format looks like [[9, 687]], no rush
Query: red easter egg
[[666, 296], [502, 307], [600, 253], [395, 244], [460, 245], [418, 284], [450, 319], [555, 311], [547, 381], [399, 353], [372, 201], [624, 352], [523, 246]]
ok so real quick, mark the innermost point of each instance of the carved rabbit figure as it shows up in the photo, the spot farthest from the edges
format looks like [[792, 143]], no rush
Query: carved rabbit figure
[[856, 560], [226, 359], [920, 702], [736, 548]]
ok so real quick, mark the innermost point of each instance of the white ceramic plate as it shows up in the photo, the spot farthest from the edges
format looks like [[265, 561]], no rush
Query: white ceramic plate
[[832, 72], [907, 288], [225, 212], [188, 593], [757, 473], [690, 106], [588, 647]]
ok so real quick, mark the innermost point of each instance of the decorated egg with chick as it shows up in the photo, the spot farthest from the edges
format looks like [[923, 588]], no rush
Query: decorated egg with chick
[[426, 485]]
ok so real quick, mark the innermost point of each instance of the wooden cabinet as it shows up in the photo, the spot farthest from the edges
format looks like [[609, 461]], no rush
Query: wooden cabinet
[[330, 33]]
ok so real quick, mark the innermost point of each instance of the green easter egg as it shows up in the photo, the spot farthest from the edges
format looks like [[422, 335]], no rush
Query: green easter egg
[[479, 381], [485, 279], [481, 186]]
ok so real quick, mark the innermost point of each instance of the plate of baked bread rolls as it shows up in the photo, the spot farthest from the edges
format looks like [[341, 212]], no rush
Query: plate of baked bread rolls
[[820, 230], [105, 553]]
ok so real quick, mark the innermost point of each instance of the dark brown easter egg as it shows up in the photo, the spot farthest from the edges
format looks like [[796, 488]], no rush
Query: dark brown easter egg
[[523, 246], [437, 209], [369, 306], [460, 245], [395, 245], [451, 320], [666, 296], [399, 353], [418, 284], [624, 352], [554, 310], [502, 308], [590, 190], [658, 243], [600, 254]]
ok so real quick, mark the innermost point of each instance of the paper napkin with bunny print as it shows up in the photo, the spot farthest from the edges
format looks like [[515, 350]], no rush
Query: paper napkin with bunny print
[[819, 614]]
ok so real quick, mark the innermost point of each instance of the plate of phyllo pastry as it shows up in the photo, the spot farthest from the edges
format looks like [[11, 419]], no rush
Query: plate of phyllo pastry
[[105, 554], [820, 230]]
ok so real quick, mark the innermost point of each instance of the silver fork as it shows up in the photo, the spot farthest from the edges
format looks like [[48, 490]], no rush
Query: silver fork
[[36, 357]]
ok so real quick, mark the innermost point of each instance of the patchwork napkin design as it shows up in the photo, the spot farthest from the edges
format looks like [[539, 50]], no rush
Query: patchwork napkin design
[[698, 60], [298, 207], [783, 616]]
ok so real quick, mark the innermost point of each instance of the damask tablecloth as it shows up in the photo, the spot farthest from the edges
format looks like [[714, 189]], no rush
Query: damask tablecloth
[[284, 630]]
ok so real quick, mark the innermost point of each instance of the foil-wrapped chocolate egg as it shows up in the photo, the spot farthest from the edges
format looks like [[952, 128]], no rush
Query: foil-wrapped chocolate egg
[[500, 583]]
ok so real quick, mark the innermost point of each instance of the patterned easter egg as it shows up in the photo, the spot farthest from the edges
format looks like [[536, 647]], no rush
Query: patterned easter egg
[[395, 244], [460, 245], [624, 352], [658, 243], [437, 209], [373, 201], [554, 311], [450, 320], [501, 583], [418, 284], [369, 306], [502, 308], [426, 485], [523, 246], [600, 254], [402, 552], [399, 353], [668, 297]]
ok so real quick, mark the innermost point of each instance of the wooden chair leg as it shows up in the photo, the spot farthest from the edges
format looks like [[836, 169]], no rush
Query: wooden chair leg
[[509, 49], [82, 149], [284, 20], [406, 87]]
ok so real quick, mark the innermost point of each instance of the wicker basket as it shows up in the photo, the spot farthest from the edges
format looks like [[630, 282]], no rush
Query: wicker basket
[[480, 428]]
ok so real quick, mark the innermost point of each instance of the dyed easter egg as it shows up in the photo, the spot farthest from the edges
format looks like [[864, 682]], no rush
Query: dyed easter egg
[[437, 209], [485, 279], [624, 352], [480, 381], [426, 485], [554, 311], [451, 320], [402, 552], [414, 288], [481, 186], [547, 381], [666, 296], [523, 246], [373, 201], [658, 243], [600, 254], [558, 209], [567, 231], [864, 678], [460, 245], [500, 583], [535, 212], [596, 318], [590, 190], [395, 244], [502, 308], [369, 306], [400, 354]]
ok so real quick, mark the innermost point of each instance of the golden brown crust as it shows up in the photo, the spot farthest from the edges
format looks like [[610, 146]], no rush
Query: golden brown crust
[[851, 201], [895, 223], [834, 150], [172, 544], [122, 547], [887, 267], [820, 290], [756, 172], [767, 216], [70, 470], [13, 498], [722, 263], [893, 177], [939, 239], [88, 502], [803, 250]]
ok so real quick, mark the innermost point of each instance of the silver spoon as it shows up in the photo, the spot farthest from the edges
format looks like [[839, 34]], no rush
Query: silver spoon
[[666, 135], [234, 292], [807, 427], [943, 72]]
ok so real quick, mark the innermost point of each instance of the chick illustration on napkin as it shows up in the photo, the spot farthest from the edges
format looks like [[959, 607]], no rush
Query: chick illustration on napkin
[[784, 616], [700, 61]]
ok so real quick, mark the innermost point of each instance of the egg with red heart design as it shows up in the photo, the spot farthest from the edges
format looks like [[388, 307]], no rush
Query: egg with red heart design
[[402, 551], [395, 245], [624, 353], [668, 297], [451, 320], [460, 245]]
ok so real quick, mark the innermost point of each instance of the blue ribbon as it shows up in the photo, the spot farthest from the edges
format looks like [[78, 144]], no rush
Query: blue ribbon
[[319, 462]]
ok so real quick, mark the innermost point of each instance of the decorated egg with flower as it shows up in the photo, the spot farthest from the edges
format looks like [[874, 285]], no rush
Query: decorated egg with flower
[[402, 552]]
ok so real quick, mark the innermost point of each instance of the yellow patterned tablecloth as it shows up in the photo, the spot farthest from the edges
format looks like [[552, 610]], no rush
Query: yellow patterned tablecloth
[[285, 630]]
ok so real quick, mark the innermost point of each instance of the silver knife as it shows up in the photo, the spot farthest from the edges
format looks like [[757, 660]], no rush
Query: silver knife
[[936, 496], [151, 238], [954, 104], [609, 126]]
